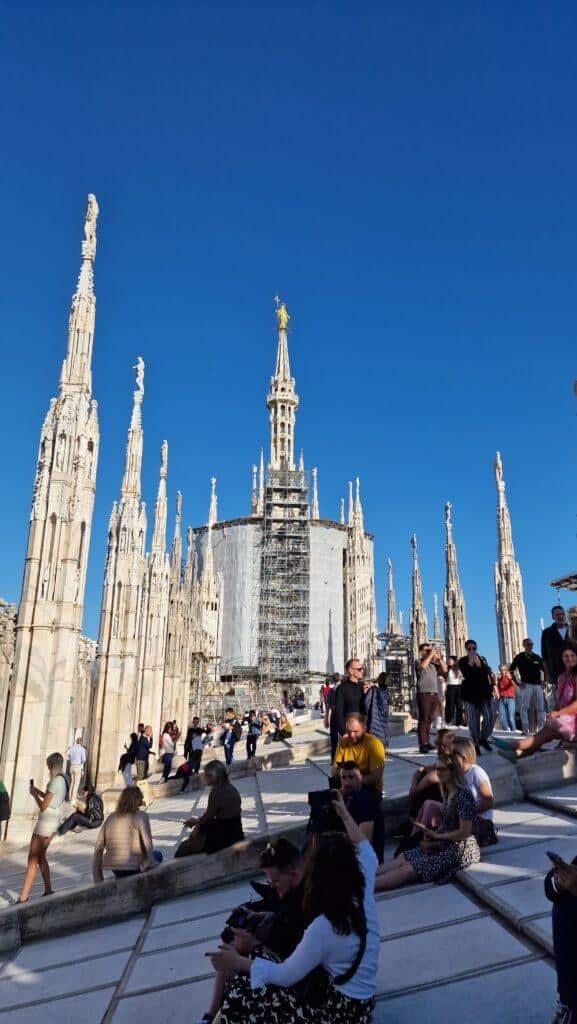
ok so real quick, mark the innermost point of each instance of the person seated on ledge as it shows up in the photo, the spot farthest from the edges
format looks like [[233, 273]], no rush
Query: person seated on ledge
[[479, 783], [341, 940], [366, 751], [285, 729], [425, 783], [363, 805], [125, 841], [445, 850], [89, 813], [276, 932], [560, 724], [221, 824], [561, 889]]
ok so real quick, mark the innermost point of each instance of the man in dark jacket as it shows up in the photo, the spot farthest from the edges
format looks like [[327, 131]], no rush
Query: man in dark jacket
[[553, 639], [91, 816], [350, 695], [561, 889], [477, 692]]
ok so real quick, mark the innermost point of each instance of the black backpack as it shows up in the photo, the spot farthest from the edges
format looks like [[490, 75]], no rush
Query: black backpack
[[4, 806]]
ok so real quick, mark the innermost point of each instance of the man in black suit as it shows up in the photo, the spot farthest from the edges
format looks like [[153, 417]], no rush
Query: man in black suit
[[553, 639]]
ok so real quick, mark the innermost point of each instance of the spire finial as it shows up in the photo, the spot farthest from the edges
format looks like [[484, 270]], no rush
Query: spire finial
[[282, 315], [342, 512], [163, 459], [351, 505], [254, 491], [213, 505], [302, 461], [159, 532], [76, 373], [133, 459], [260, 501], [179, 505]]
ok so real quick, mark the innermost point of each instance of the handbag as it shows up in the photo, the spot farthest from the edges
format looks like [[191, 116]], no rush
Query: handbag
[[314, 989]]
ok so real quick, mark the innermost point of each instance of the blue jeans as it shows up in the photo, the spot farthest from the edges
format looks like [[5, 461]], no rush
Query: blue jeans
[[167, 762], [507, 713], [527, 693], [228, 750]]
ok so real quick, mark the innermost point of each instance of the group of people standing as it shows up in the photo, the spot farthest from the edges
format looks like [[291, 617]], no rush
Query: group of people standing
[[474, 695]]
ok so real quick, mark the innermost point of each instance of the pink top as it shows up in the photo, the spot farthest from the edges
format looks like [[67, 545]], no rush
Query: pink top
[[565, 691]]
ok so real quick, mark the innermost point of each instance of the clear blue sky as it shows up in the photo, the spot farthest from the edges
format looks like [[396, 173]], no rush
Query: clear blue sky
[[403, 173]]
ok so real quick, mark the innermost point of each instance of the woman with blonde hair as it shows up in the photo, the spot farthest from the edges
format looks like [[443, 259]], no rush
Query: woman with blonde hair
[[49, 804], [443, 850], [125, 841]]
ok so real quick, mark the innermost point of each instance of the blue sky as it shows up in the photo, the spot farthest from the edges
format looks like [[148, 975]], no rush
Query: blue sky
[[403, 174]]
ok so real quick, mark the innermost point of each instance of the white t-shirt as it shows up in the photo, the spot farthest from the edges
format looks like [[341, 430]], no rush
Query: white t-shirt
[[197, 741], [168, 744], [320, 945], [474, 777], [454, 678]]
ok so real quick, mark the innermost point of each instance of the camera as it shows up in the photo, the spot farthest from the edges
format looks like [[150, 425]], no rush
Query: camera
[[323, 817]]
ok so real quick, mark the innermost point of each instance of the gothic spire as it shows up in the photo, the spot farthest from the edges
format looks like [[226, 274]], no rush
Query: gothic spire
[[509, 603], [315, 499], [159, 532], [213, 506], [282, 400], [454, 614], [392, 624], [342, 512], [76, 374], [133, 458], [253, 491], [358, 507], [176, 553], [436, 627], [419, 624], [351, 504]]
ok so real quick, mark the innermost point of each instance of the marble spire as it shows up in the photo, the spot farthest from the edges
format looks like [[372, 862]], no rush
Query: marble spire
[[254, 492], [176, 550], [43, 712], [315, 498], [213, 505], [509, 603], [133, 458], [76, 372], [282, 399], [454, 614], [392, 628], [419, 625], [260, 503], [342, 512], [436, 626], [351, 504], [160, 510]]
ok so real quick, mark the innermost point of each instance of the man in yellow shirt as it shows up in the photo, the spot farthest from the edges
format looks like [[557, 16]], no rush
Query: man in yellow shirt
[[365, 750]]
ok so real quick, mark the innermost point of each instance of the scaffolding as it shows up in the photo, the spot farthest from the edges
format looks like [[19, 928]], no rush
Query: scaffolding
[[285, 581]]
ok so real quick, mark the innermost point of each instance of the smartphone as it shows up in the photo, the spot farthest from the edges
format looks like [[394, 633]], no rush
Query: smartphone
[[554, 857]]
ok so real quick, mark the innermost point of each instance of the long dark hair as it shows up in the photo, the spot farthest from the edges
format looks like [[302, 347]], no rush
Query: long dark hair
[[334, 884]]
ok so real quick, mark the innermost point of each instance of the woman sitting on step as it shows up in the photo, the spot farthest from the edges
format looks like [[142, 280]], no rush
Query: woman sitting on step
[[560, 724], [443, 850], [221, 824]]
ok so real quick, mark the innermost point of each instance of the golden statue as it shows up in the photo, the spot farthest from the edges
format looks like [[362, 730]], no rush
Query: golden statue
[[281, 314]]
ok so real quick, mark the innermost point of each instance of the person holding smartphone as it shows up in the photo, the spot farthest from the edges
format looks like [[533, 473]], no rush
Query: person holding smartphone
[[561, 889], [49, 804]]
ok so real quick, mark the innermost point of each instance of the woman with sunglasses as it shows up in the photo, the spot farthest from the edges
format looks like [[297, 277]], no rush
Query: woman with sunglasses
[[443, 850]]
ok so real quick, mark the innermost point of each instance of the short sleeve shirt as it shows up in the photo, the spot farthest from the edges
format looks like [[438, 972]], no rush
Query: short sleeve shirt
[[57, 786], [368, 755]]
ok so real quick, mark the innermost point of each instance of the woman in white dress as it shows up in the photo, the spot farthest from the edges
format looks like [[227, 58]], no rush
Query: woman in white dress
[[49, 804]]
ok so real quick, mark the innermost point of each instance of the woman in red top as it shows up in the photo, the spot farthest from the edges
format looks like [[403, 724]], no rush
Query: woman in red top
[[506, 688]]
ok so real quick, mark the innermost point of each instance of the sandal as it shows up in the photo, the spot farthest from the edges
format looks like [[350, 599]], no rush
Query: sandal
[[49, 893]]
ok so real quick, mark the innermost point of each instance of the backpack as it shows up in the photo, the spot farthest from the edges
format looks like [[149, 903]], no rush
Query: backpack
[[4, 805], [237, 730]]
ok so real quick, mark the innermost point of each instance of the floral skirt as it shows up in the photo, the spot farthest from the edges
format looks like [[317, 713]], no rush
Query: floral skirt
[[272, 1005], [564, 727], [440, 867]]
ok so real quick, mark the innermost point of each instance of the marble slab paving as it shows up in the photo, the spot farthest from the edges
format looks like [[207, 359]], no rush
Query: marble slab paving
[[521, 862], [411, 911], [523, 992], [415, 960], [541, 931], [84, 944], [202, 904], [21, 985], [516, 813], [177, 1004], [162, 969], [88, 1006], [535, 830], [517, 900], [184, 931], [564, 796]]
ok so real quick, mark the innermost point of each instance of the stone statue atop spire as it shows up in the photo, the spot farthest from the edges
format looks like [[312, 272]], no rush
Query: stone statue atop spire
[[509, 603], [282, 400], [454, 614]]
